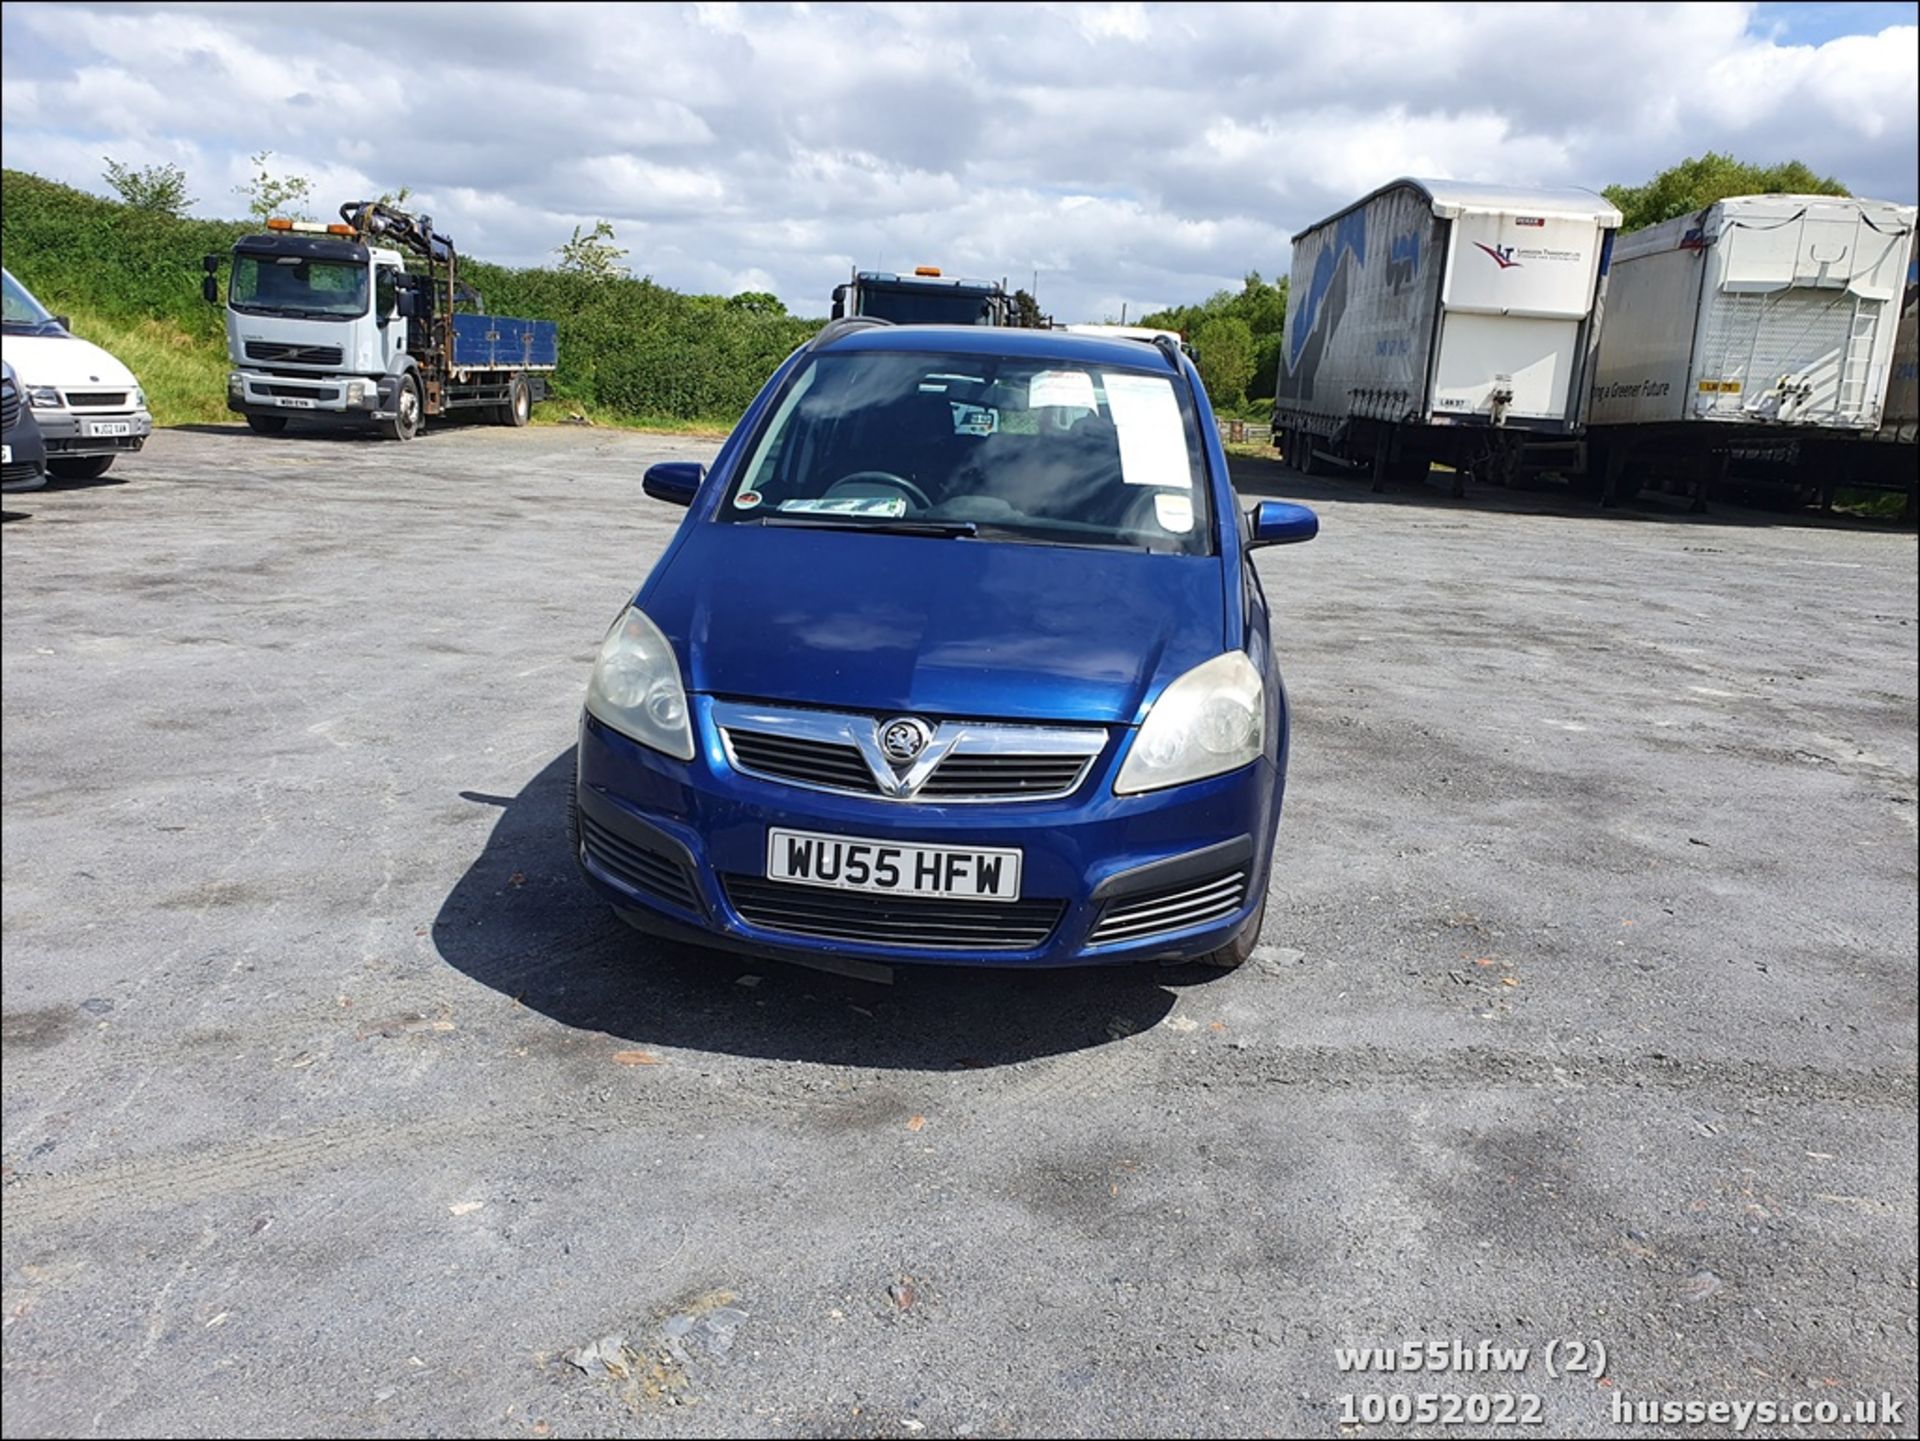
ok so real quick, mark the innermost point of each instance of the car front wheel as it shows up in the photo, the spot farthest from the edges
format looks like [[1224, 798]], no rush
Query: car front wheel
[[80, 467], [1235, 952]]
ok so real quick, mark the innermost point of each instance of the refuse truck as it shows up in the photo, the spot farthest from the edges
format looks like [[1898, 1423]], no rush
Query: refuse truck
[[366, 320], [1439, 320], [925, 297]]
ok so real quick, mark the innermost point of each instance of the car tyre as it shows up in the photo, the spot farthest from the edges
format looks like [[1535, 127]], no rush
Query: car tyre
[[266, 424], [573, 814], [79, 467], [1235, 952]]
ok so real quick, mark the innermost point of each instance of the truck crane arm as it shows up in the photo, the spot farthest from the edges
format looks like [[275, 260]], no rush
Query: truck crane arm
[[373, 218]]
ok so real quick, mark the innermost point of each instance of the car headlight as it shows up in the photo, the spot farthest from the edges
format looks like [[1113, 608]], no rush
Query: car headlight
[[635, 687], [1211, 720], [139, 398], [43, 397]]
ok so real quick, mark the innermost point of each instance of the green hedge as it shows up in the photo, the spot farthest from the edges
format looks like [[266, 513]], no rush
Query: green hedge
[[628, 348]]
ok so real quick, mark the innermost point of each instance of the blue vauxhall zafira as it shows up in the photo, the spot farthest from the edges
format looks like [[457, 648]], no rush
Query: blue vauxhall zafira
[[958, 656]]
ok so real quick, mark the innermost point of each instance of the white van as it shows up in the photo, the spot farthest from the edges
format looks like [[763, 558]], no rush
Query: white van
[[88, 406]]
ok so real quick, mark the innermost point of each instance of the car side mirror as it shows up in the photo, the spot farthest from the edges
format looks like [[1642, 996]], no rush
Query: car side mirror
[[211, 263], [65, 322], [1280, 522], [209, 290], [674, 481], [404, 303]]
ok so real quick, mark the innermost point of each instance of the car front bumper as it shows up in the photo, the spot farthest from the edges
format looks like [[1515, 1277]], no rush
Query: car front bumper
[[681, 848], [85, 432]]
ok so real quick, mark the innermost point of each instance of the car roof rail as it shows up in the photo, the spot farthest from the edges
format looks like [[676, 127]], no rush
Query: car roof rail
[[834, 329]]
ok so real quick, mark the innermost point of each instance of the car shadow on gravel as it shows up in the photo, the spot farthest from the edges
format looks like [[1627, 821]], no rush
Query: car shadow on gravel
[[523, 921]]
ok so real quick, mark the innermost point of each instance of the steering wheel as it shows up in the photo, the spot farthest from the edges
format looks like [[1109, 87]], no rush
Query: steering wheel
[[857, 483]]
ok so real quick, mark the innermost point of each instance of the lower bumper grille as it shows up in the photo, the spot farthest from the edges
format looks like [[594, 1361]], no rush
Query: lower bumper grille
[[646, 871], [1171, 908], [915, 922], [18, 474], [301, 392]]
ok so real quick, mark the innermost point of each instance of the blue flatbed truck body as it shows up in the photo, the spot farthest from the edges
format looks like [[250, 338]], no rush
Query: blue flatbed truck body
[[500, 342]]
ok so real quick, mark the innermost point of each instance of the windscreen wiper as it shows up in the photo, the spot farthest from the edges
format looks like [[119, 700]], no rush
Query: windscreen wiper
[[939, 529]]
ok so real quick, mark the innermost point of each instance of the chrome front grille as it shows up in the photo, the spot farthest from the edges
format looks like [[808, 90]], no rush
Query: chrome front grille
[[961, 762], [826, 764], [913, 922], [1010, 776], [1171, 908]]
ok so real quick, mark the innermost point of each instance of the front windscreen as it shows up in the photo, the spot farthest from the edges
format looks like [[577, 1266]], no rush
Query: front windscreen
[[22, 311], [298, 285], [925, 306], [1003, 448]]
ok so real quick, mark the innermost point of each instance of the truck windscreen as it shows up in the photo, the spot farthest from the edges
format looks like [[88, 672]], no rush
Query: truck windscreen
[[298, 285], [945, 306]]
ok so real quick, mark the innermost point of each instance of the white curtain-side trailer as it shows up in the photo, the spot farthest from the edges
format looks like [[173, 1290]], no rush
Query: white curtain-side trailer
[[1442, 320], [1758, 332]]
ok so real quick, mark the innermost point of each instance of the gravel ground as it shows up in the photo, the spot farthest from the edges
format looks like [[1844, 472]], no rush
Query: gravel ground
[[333, 1102]]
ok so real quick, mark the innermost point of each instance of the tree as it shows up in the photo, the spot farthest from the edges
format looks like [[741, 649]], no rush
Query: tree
[[269, 195], [161, 189], [1694, 184], [756, 302], [1226, 358], [595, 255], [1026, 311], [395, 199]]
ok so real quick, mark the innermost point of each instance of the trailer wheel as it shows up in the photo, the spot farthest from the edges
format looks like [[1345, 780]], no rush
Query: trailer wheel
[[405, 424], [519, 407], [266, 424]]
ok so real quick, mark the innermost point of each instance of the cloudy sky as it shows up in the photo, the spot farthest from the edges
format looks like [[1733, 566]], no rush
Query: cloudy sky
[[1132, 153]]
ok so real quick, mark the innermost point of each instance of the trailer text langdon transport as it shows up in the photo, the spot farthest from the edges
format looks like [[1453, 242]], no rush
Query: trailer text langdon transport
[[321, 323]]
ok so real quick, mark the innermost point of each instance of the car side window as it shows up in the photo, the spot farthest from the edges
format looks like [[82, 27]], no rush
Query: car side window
[[385, 291]]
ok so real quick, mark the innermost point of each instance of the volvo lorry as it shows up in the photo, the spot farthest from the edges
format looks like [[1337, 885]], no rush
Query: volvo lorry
[[1750, 344], [1437, 320], [366, 320], [925, 297]]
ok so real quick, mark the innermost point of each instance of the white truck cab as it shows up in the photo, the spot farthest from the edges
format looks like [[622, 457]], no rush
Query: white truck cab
[[87, 405], [313, 325]]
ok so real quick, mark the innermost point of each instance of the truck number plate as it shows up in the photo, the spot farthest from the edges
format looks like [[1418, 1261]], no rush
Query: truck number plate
[[109, 427], [293, 402]]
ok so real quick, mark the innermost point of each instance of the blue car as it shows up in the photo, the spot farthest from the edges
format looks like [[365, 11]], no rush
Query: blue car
[[958, 656]]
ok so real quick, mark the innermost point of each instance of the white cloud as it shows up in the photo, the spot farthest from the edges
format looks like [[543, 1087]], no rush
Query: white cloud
[[1133, 153]]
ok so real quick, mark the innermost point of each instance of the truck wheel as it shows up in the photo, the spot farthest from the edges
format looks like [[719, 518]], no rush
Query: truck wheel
[[79, 467], [405, 424], [519, 407], [266, 424]]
